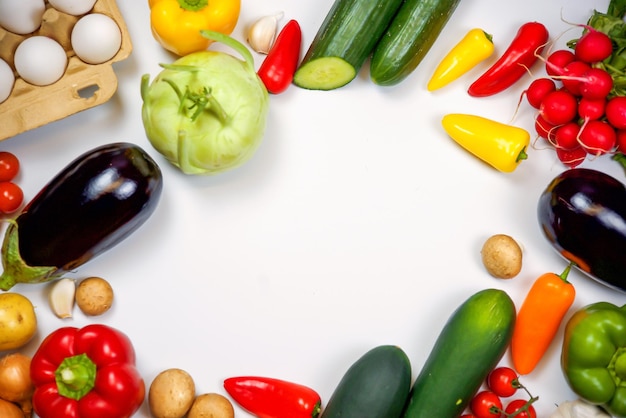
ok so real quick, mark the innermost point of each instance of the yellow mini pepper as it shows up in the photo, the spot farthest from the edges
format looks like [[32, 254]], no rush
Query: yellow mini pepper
[[176, 24], [476, 46], [500, 145]]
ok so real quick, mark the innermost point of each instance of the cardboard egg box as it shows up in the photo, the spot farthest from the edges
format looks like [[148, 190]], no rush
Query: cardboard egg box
[[83, 85]]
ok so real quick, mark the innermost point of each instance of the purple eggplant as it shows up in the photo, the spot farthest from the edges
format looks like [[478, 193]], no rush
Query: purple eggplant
[[94, 203], [582, 213]]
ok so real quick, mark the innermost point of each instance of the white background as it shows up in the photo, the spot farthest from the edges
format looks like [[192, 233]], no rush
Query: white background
[[357, 223]]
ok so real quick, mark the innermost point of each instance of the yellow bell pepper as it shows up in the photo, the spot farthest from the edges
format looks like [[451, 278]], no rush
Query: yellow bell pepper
[[176, 24], [476, 46], [499, 145]]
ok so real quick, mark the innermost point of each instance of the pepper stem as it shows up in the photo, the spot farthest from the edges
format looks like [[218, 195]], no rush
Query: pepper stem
[[193, 5], [618, 365], [75, 376], [565, 273], [522, 155]]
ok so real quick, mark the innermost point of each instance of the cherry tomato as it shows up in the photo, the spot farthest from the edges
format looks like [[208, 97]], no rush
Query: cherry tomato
[[9, 166], [11, 197], [468, 416], [503, 381], [486, 404], [516, 405]]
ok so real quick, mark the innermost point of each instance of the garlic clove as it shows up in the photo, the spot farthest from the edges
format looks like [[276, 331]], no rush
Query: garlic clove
[[262, 33], [61, 297]]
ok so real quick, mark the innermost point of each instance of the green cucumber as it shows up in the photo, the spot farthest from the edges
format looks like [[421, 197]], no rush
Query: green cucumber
[[376, 385], [343, 42], [411, 34], [471, 344]]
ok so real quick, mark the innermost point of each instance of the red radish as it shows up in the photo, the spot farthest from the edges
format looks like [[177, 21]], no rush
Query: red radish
[[571, 76], [621, 140], [591, 109], [594, 46], [538, 89], [597, 137], [558, 60], [558, 107], [566, 136], [571, 157], [616, 112], [596, 84], [544, 129]]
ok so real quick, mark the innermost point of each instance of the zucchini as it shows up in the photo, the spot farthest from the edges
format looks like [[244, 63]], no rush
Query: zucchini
[[411, 34], [471, 344], [343, 42], [376, 385]]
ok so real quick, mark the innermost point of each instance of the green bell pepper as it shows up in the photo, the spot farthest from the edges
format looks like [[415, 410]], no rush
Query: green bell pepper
[[593, 357]]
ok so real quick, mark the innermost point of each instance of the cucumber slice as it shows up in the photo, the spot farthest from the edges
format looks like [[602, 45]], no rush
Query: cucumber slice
[[326, 73]]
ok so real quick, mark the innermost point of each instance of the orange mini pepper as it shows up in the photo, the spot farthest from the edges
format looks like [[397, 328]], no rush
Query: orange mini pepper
[[176, 24], [539, 319]]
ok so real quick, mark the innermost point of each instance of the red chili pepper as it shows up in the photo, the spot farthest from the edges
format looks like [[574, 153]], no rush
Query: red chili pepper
[[514, 62], [86, 373], [265, 397], [280, 64]]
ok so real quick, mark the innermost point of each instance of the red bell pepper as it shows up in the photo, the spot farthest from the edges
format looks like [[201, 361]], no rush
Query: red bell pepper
[[521, 54], [86, 373], [280, 64], [266, 397]]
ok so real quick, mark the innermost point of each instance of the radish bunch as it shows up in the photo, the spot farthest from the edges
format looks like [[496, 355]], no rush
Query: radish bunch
[[578, 114]]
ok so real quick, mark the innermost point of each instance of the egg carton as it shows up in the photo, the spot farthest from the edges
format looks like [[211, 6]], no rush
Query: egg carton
[[81, 87]]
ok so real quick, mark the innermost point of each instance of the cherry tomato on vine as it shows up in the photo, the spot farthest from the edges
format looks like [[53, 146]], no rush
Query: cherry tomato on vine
[[503, 381], [516, 405], [11, 197], [9, 166], [486, 404]]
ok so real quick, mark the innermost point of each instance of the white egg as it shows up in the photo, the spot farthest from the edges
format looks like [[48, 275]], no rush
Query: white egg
[[40, 60], [7, 80], [21, 16], [96, 38], [73, 7]]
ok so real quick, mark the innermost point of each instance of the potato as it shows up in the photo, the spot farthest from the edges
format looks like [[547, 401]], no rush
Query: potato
[[171, 394], [211, 405], [18, 321], [94, 296], [502, 256]]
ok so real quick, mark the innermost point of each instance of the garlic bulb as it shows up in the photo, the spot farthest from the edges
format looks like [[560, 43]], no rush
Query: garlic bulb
[[578, 409], [262, 33]]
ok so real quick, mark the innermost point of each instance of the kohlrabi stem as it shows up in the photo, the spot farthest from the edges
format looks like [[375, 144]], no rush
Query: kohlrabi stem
[[232, 43], [200, 101], [145, 85], [193, 5]]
